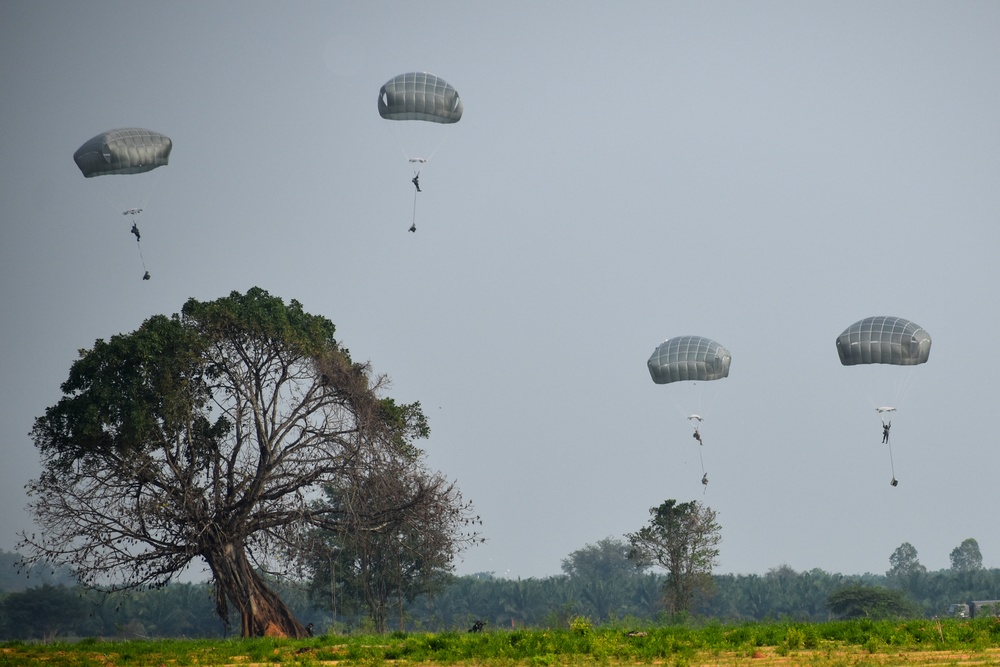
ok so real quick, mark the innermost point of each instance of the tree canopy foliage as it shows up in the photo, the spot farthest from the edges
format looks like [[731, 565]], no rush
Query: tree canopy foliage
[[904, 562], [211, 434], [607, 559], [966, 557], [876, 602]]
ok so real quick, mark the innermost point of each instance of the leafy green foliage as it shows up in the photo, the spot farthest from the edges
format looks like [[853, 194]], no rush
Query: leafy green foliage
[[870, 602], [124, 396], [257, 316], [407, 422], [581, 625]]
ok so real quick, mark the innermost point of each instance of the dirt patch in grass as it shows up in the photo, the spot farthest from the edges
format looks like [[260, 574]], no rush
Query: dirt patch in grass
[[847, 657]]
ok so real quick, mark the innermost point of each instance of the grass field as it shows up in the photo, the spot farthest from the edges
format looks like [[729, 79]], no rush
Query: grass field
[[836, 644]]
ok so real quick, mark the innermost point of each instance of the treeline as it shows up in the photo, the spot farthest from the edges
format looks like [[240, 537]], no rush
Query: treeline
[[14, 578], [68, 610], [781, 594], [53, 610]]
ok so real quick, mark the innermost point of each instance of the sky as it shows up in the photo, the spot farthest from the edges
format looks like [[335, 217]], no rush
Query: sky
[[760, 173]]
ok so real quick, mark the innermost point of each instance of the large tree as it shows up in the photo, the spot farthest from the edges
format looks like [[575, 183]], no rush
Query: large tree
[[209, 434], [683, 539]]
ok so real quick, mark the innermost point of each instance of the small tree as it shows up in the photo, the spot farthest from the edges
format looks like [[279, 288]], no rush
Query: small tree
[[683, 539], [872, 602], [604, 577], [966, 557], [409, 556], [606, 560]]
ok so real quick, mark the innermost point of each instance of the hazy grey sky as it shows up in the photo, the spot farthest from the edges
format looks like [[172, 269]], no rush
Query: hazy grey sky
[[761, 173]]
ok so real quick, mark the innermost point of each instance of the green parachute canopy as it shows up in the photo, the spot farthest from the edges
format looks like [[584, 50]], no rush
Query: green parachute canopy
[[694, 358], [419, 96], [126, 150], [883, 339]]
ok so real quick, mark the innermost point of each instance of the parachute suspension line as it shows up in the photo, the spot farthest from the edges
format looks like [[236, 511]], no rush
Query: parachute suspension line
[[148, 192], [892, 466], [397, 137], [131, 192], [909, 377], [114, 203], [133, 216], [433, 148], [695, 399], [704, 475], [419, 141], [141, 258], [887, 386], [711, 395], [413, 225], [412, 142], [696, 420], [700, 397]]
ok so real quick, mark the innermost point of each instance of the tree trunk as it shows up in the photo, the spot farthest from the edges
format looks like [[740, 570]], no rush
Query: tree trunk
[[262, 612]]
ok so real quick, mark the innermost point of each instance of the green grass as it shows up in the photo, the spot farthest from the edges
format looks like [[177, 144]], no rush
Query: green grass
[[915, 642]]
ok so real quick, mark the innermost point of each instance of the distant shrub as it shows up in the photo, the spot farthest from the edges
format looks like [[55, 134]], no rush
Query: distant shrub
[[581, 625]]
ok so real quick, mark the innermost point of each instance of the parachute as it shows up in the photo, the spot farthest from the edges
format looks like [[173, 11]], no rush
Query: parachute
[[419, 96], [885, 341], [693, 359], [423, 102], [126, 151]]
